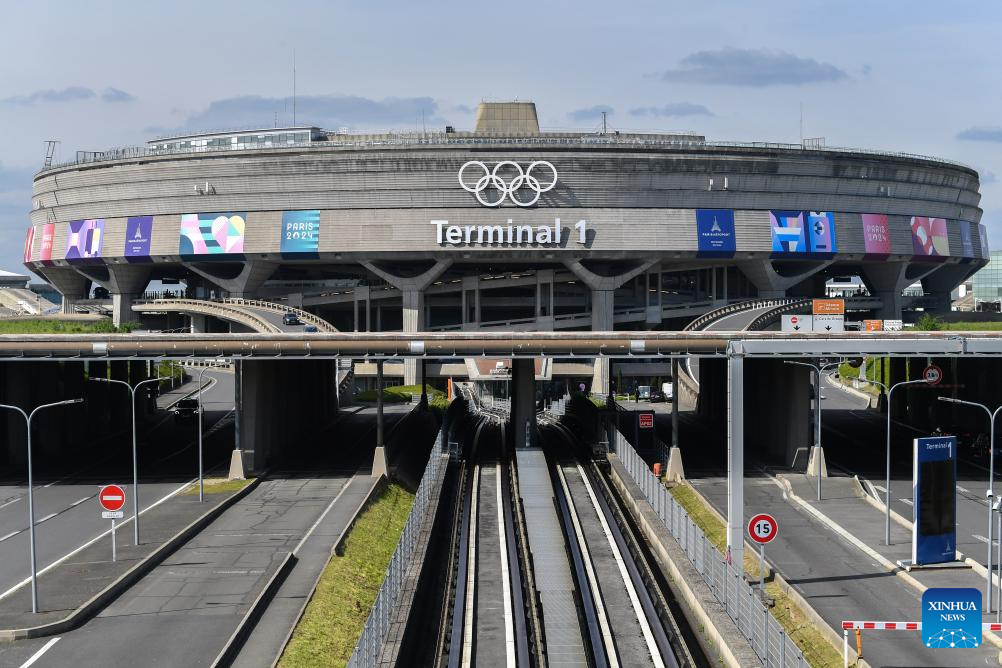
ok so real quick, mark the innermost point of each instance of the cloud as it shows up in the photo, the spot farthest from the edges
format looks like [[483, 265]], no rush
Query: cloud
[[591, 113], [982, 133], [673, 109], [752, 67], [326, 111], [116, 95], [986, 177], [71, 94]]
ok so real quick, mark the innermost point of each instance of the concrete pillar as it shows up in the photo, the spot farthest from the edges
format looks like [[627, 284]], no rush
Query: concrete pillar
[[603, 305], [379, 404], [413, 321], [70, 283], [735, 461], [769, 283], [121, 308], [523, 401], [199, 323]]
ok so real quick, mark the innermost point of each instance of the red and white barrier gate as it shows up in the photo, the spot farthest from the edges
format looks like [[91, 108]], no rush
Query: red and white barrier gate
[[888, 626]]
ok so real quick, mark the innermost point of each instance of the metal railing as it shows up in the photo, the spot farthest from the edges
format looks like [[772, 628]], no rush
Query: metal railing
[[669, 141], [321, 324], [370, 644], [743, 604]]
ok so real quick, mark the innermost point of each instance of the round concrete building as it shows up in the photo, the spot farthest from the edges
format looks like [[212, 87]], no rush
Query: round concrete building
[[504, 227]]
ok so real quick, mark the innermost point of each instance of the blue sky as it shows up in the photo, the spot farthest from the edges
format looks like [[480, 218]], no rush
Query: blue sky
[[917, 77]]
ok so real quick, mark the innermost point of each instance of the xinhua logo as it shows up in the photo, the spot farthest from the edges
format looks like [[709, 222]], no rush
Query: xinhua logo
[[951, 618]]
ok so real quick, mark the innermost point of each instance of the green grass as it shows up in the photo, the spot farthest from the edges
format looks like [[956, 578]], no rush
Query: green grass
[[333, 621], [403, 393], [973, 326], [817, 650], [63, 327], [217, 486]]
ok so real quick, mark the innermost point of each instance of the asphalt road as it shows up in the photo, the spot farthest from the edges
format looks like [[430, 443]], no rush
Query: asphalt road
[[67, 513]]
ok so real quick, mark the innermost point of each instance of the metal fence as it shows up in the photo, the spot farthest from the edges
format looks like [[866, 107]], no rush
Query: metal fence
[[741, 601], [370, 644]]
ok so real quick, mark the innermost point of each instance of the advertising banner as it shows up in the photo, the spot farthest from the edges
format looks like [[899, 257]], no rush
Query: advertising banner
[[84, 239], [29, 239], [929, 238], [301, 231], [212, 234], [983, 235], [966, 241], [821, 232], [788, 232], [876, 235], [48, 234], [715, 232], [934, 495], [138, 232]]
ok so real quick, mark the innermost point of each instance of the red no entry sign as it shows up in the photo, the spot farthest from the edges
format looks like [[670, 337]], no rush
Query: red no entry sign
[[111, 497], [763, 528]]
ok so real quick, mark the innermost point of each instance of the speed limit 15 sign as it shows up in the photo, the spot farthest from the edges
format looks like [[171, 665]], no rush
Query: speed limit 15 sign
[[763, 528]]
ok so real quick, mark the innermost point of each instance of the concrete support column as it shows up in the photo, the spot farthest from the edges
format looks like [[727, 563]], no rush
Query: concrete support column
[[199, 323], [121, 308], [523, 401], [769, 283], [602, 320], [70, 283], [413, 321], [735, 461]]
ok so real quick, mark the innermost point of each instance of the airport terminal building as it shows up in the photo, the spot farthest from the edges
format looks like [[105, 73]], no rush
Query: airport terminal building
[[504, 227]]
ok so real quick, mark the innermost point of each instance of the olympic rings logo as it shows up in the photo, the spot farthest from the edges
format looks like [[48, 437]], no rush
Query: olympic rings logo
[[508, 180]]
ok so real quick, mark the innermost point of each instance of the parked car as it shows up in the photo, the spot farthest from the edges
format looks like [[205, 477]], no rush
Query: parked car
[[657, 396], [291, 319], [186, 409]]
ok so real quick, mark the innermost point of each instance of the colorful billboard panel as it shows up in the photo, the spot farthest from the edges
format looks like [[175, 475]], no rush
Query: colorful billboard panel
[[983, 235], [715, 232], [876, 234], [301, 231], [29, 239], [788, 232], [966, 242], [929, 238], [48, 234], [212, 233], [821, 232], [84, 239], [138, 233]]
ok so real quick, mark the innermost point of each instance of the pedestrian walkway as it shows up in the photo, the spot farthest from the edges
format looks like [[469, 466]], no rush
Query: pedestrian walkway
[[828, 556]]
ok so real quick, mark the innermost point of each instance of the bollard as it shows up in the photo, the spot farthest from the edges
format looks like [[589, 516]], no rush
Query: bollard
[[845, 648], [859, 643]]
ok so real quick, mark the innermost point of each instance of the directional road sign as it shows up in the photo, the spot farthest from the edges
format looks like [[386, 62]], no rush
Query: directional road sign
[[873, 325], [828, 307], [893, 325], [798, 323], [763, 528], [932, 374], [827, 323]]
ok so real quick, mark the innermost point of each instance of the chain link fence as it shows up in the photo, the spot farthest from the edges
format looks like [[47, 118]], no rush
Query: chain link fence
[[742, 603], [370, 644]]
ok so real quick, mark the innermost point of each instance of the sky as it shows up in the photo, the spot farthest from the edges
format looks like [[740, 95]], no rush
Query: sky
[[915, 77]]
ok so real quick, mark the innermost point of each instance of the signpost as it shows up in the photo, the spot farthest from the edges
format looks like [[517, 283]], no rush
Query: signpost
[[829, 315], [934, 498], [112, 499], [763, 529], [932, 374], [798, 323]]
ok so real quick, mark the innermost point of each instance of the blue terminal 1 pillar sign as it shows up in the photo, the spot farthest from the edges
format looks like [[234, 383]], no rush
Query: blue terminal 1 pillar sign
[[934, 496]]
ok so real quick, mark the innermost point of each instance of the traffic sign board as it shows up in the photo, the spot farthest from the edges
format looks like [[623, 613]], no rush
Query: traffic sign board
[[829, 307], [112, 498], [763, 528], [112, 514], [932, 374], [828, 323], [873, 325], [798, 323], [646, 420], [893, 325]]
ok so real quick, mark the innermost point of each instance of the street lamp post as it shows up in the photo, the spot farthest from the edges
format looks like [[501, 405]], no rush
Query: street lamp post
[[991, 482], [31, 503], [887, 472], [135, 460], [817, 407], [201, 479]]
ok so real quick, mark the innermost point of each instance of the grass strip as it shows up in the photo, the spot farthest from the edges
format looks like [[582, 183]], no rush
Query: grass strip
[[817, 650], [53, 326], [217, 486], [333, 621]]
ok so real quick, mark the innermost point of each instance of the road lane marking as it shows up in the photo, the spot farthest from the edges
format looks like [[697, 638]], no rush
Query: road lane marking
[[2, 506], [78, 502], [963, 489], [37, 655], [47, 517], [10, 535], [880, 488], [101, 535], [908, 501]]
